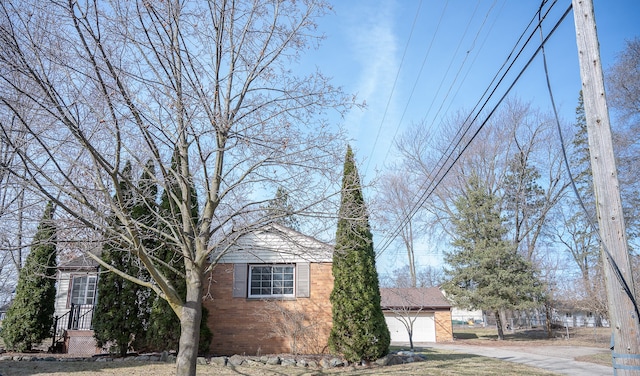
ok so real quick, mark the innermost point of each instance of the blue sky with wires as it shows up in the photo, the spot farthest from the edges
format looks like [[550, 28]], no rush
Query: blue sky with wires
[[413, 60]]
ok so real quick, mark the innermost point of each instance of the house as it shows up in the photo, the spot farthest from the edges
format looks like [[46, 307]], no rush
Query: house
[[426, 308], [466, 317], [76, 289], [269, 293]]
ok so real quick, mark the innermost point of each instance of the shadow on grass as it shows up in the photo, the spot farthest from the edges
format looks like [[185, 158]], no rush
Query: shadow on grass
[[492, 334], [465, 335]]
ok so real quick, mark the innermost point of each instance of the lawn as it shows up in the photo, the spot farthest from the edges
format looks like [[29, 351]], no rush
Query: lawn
[[591, 337], [438, 363], [587, 337]]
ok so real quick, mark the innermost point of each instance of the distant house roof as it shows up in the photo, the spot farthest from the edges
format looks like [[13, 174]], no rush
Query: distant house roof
[[82, 262], [412, 298]]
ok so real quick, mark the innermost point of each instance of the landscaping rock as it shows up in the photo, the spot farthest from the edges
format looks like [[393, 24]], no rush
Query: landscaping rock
[[235, 360], [219, 361], [201, 360], [273, 360], [384, 360], [336, 362], [324, 363], [288, 362]]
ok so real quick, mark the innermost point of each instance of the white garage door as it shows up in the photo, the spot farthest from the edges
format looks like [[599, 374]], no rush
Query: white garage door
[[424, 328]]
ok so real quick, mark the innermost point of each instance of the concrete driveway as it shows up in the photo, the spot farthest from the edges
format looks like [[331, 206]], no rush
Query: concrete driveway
[[559, 359]]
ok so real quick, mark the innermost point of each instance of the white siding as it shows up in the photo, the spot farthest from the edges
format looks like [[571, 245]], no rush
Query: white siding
[[276, 246], [62, 292]]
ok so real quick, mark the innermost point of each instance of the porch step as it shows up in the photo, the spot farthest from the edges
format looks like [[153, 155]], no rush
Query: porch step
[[80, 342]]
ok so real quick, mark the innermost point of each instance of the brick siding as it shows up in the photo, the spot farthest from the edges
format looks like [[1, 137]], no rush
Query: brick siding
[[255, 326], [444, 328]]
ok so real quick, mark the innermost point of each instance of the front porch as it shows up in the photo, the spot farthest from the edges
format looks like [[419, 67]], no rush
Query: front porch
[[73, 332]]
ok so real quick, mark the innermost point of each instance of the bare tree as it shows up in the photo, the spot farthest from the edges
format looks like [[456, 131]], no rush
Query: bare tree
[[18, 208], [396, 216], [517, 132], [214, 84], [623, 94], [427, 276]]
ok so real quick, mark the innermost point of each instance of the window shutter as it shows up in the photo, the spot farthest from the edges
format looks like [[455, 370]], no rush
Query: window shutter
[[302, 280], [240, 280]]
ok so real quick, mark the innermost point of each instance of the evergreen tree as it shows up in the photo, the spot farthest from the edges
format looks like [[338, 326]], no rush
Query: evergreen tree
[[30, 318], [164, 326], [281, 210], [359, 329], [122, 304], [484, 270]]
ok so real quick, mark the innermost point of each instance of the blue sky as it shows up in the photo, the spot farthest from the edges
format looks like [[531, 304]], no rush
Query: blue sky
[[366, 41], [411, 60]]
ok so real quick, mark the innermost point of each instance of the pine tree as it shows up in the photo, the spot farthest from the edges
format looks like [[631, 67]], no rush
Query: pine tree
[[359, 329], [281, 210], [484, 270], [164, 325], [30, 318], [122, 306]]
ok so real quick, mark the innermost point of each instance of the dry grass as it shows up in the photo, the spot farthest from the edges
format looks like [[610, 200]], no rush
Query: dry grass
[[439, 363], [589, 337], [585, 337]]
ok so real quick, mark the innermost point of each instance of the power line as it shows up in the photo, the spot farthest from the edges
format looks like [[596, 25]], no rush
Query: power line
[[616, 269], [434, 183], [393, 88]]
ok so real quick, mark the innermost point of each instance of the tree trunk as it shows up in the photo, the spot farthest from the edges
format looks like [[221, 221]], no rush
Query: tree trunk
[[190, 326], [548, 316], [411, 338], [499, 324]]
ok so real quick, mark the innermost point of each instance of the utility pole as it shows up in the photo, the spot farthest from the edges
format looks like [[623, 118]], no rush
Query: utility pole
[[623, 314]]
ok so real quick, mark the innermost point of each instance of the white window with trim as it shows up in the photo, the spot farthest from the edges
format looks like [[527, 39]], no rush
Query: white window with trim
[[271, 280], [83, 289]]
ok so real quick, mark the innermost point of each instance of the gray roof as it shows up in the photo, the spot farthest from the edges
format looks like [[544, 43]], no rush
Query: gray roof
[[81, 262], [413, 298]]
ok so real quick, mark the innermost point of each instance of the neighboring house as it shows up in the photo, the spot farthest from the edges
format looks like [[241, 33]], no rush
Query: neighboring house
[[76, 290], [426, 308], [575, 317], [269, 293], [460, 316]]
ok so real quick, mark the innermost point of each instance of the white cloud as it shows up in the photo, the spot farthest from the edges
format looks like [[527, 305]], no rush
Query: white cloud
[[373, 45]]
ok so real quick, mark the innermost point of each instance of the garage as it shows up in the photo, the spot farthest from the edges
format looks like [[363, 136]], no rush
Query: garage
[[424, 326], [425, 306]]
